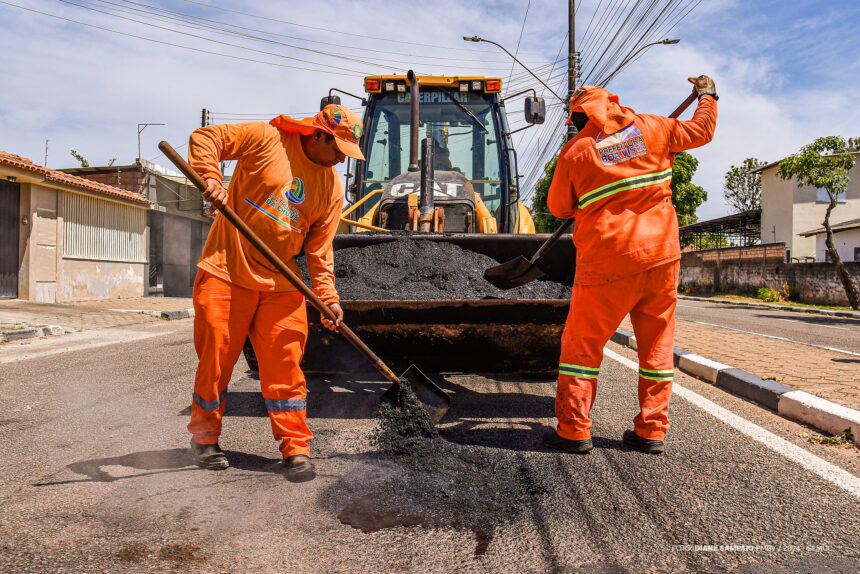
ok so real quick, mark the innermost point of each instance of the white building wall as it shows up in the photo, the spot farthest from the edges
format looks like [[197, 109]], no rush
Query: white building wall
[[847, 243]]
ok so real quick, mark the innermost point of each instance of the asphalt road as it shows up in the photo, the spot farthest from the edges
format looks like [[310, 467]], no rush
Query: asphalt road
[[838, 332], [95, 478]]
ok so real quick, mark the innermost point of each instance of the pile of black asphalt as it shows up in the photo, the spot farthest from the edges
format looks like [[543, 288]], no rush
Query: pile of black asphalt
[[441, 483], [410, 269]]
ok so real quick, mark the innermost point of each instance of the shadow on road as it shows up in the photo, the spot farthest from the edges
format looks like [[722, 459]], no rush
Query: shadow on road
[[159, 462]]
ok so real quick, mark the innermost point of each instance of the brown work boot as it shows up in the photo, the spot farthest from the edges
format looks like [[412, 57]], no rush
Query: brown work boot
[[646, 445], [208, 456], [552, 440], [299, 468]]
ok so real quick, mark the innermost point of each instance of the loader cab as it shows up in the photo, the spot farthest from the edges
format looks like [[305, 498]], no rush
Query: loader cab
[[465, 118]]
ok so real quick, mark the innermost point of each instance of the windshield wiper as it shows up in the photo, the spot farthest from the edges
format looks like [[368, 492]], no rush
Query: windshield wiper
[[466, 110]]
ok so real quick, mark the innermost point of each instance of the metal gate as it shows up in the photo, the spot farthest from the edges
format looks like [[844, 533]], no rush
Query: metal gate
[[9, 209]]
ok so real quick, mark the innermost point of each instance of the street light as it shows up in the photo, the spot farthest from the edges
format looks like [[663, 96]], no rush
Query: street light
[[627, 60], [140, 129], [478, 39]]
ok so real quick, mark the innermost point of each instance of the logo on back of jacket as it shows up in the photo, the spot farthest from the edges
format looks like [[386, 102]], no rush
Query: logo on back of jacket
[[292, 192], [621, 146]]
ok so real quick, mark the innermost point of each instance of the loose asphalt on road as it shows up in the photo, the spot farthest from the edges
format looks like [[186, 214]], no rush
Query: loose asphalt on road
[[95, 478], [808, 328]]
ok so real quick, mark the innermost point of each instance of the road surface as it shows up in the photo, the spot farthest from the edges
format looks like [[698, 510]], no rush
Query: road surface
[[95, 477]]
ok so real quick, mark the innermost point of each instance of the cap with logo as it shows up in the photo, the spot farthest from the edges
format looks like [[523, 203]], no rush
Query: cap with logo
[[339, 121]]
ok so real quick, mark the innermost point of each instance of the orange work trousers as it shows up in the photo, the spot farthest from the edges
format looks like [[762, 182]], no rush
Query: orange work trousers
[[595, 312], [278, 326]]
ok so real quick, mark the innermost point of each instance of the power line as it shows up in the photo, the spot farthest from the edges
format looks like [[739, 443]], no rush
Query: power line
[[517, 51], [181, 46], [341, 32]]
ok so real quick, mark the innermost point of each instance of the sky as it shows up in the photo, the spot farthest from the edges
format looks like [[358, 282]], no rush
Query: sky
[[786, 71]]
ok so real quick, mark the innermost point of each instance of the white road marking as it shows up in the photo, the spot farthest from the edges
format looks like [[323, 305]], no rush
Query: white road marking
[[834, 349], [13, 352], [693, 306], [830, 472]]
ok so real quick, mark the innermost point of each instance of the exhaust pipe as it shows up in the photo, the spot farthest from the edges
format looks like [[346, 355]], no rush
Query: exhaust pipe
[[426, 207], [413, 121]]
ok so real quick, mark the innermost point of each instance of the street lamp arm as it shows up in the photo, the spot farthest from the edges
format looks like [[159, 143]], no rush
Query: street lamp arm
[[479, 39], [629, 58]]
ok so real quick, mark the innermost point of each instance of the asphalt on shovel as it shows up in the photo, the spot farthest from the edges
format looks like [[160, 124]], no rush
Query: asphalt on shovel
[[433, 399], [519, 271]]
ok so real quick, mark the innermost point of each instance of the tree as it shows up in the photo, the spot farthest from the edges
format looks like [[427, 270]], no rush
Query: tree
[[686, 196], [742, 187], [80, 158], [824, 164], [545, 222]]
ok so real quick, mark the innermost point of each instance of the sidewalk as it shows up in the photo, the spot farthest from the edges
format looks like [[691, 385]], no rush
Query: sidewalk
[[18, 314], [826, 374]]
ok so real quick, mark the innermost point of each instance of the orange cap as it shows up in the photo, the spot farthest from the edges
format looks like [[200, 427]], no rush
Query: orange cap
[[339, 121], [602, 108]]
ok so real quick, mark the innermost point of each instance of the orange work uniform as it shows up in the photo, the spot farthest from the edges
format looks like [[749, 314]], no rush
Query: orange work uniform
[[290, 202], [614, 179]]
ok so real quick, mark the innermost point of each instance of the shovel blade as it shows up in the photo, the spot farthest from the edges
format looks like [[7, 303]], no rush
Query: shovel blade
[[433, 399], [513, 273]]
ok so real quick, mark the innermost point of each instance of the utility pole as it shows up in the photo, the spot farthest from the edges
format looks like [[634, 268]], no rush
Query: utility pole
[[46, 153], [204, 118], [571, 58]]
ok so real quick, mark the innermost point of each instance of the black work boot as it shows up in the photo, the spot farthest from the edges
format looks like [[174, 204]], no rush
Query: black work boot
[[552, 440], [299, 468], [646, 445], [208, 456]]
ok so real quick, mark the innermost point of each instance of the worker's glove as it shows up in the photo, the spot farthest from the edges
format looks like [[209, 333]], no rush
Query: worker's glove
[[705, 86]]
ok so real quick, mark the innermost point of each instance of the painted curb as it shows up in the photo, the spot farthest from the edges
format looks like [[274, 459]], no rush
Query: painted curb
[[177, 314], [30, 333], [793, 309], [820, 413], [787, 401]]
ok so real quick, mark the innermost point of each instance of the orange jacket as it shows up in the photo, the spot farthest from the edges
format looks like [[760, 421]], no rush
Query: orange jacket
[[288, 200], [616, 185]]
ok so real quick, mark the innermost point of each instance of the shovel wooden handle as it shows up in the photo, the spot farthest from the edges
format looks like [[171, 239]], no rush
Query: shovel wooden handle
[[568, 222], [252, 237]]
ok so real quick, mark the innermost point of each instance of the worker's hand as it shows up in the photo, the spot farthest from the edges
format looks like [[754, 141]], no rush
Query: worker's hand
[[215, 194], [704, 85], [333, 325]]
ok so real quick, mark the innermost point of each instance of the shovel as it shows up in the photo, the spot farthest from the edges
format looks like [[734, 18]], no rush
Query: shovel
[[432, 398], [519, 271]]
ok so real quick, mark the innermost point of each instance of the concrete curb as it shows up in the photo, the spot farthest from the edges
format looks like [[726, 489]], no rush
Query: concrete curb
[[30, 333], [792, 308], [788, 402], [177, 314]]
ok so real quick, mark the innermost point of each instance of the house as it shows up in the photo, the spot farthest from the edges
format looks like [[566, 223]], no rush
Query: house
[[64, 238], [789, 211], [178, 222], [846, 239]]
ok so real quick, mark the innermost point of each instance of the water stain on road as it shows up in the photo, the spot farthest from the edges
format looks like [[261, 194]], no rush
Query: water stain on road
[[373, 512]]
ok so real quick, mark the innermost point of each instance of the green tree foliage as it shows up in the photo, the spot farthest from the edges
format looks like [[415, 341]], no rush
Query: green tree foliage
[[824, 164], [80, 158], [742, 187], [111, 161], [686, 196], [545, 222]]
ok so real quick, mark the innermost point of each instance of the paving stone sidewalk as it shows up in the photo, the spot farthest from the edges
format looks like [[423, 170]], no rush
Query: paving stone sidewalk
[[16, 314], [826, 374]]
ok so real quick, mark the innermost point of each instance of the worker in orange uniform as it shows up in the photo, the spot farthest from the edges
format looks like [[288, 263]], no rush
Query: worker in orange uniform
[[286, 188], [613, 177]]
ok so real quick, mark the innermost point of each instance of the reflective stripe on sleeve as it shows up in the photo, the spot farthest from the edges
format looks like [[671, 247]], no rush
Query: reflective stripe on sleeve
[[655, 375], [208, 405], [623, 185], [280, 405], [577, 371]]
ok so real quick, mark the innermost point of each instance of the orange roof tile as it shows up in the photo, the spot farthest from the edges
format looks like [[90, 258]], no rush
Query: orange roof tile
[[55, 176]]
